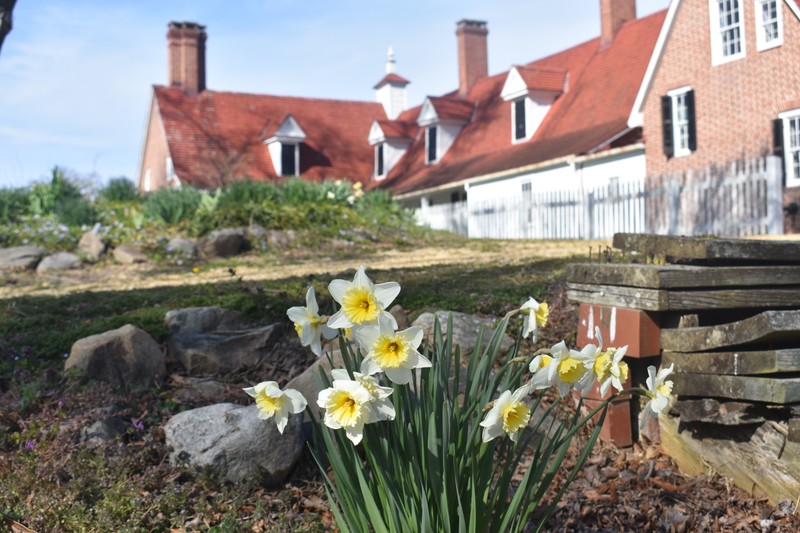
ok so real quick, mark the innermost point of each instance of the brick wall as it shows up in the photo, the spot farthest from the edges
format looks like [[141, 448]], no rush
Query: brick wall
[[735, 103], [473, 63], [155, 152]]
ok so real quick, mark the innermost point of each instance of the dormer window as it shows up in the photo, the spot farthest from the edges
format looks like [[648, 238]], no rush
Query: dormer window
[[379, 167], [290, 159], [531, 92], [430, 144], [727, 31], [391, 139], [769, 24], [284, 146], [519, 119]]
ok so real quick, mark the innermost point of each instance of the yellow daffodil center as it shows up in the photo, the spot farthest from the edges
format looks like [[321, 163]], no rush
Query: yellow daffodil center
[[515, 416], [360, 305], [298, 328], [344, 409], [542, 314], [546, 360], [268, 404], [623, 372], [602, 366], [570, 370], [348, 334], [390, 351], [666, 388]]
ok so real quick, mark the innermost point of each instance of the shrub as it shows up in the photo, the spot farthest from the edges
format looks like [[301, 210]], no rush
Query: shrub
[[172, 206], [119, 189], [247, 192], [13, 204], [75, 212], [44, 197]]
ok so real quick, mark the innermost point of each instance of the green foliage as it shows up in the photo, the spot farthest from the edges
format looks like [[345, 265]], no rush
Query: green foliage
[[119, 189], [247, 192], [13, 204], [172, 206], [44, 197], [75, 212]]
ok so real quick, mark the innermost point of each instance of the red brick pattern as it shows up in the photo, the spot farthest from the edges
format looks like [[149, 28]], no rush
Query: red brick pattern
[[613, 14], [473, 63]]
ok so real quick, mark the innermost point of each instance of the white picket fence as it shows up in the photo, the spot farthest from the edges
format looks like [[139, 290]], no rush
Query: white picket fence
[[737, 200]]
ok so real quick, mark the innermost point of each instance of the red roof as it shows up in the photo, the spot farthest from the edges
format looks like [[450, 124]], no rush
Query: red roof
[[397, 129], [214, 134], [452, 108], [391, 78], [543, 79], [602, 83]]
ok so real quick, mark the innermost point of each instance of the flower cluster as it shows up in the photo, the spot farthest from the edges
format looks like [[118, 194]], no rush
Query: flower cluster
[[352, 401]]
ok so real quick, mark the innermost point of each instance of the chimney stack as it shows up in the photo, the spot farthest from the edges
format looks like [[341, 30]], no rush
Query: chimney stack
[[186, 44], [472, 56], [613, 14]]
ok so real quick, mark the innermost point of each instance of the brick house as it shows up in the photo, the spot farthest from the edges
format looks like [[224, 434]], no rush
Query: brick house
[[723, 85]]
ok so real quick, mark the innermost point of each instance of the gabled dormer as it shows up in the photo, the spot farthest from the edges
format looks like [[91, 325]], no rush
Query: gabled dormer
[[391, 139], [284, 146], [531, 92], [442, 118]]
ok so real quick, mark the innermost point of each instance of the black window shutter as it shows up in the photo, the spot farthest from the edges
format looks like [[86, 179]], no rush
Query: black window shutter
[[287, 160], [431, 144], [690, 116], [379, 171], [666, 126], [777, 137], [519, 119]]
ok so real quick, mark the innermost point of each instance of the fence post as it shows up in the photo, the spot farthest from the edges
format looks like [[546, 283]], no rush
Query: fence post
[[774, 196]]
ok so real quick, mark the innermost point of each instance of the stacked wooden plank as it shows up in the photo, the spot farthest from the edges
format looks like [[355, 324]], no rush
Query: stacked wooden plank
[[728, 314]]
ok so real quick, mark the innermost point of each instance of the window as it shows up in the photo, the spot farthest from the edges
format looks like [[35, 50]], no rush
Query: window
[[769, 24], [788, 127], [678, 122], [430, 143], [169, 171], [519, 119], [727, 31], [289, 156], [379, 170]]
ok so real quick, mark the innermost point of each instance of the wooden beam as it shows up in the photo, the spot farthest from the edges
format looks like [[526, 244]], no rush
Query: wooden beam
[[708, 248], [769, 326], [777, 390], [712, 411], [735, 363], [681, 276]]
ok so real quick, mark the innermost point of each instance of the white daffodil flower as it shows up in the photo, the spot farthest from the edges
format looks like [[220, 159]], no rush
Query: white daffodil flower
[[536, 315], [393, 353], [274, 402], [380, 395], [562, 368], [349, 405], [658, 390], [308, 323], [508, 415], [611, 369], [361, 301]]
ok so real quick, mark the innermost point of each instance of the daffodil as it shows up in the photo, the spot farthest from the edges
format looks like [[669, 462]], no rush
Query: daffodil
[[611, 369], [562, 368], [380, 395], [361, 301], [349, 405], [392, 352], [309, 325], [536, 315], [508, 415], [658, 391], [277, 403], [357, 186], [331, 195]]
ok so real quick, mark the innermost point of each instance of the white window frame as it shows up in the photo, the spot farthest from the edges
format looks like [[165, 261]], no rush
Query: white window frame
[[169, 170], [761, 24], [680, 122], [718, 56], [791, 146]]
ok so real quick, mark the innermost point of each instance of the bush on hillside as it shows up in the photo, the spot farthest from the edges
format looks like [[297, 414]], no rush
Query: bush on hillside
[[172, 206], [119, 189], [13, 204]]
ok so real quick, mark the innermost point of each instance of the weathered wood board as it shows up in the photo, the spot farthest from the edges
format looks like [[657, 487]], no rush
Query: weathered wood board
[[760, 462], [734, 363], [713, 411], [766, 327], [779, 390], [684, 300], [682, 276], [708, 248]]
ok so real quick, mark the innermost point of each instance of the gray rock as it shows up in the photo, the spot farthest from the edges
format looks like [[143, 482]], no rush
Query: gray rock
[[91, 245], [59, 261], [128, 255], [212, 340], [281, 238], [232, 439], [106, 429], [200, 390], [21, 257], [127, 357], [400, 316], [465, 330], [308, 382], [223, 243], [181, 246]]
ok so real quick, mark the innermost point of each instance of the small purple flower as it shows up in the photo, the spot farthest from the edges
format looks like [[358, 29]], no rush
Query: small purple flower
[[30, 445], [60, 404], [137, 424]]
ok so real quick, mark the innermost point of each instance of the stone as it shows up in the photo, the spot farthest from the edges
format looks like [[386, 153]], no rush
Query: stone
[[59, 261], [213, 340], [106, 429], [92, 246], [181, 246], [308, 382], [465, 330], [128, 255], [400, 316], [194, 390], [21, 257], [281, 238], [233, 441], [223, 243], [126, 357]]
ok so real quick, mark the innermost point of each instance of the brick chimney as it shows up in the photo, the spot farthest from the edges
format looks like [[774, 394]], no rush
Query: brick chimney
[[613, 14], [186, 44], [472, 58]]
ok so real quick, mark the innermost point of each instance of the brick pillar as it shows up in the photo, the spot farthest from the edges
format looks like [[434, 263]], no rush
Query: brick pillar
[[613, 14], [186, 47], [473, 63]]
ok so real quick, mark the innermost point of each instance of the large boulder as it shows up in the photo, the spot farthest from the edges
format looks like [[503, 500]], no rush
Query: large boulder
[[183, 247], [465, 330], [59, 261], [21, 257], [236, 443], [91, 245], [223, 243], [127, 357], [213, 340], [128, 255]]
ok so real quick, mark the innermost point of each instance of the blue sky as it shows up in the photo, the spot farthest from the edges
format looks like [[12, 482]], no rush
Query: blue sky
[[76, 77]]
